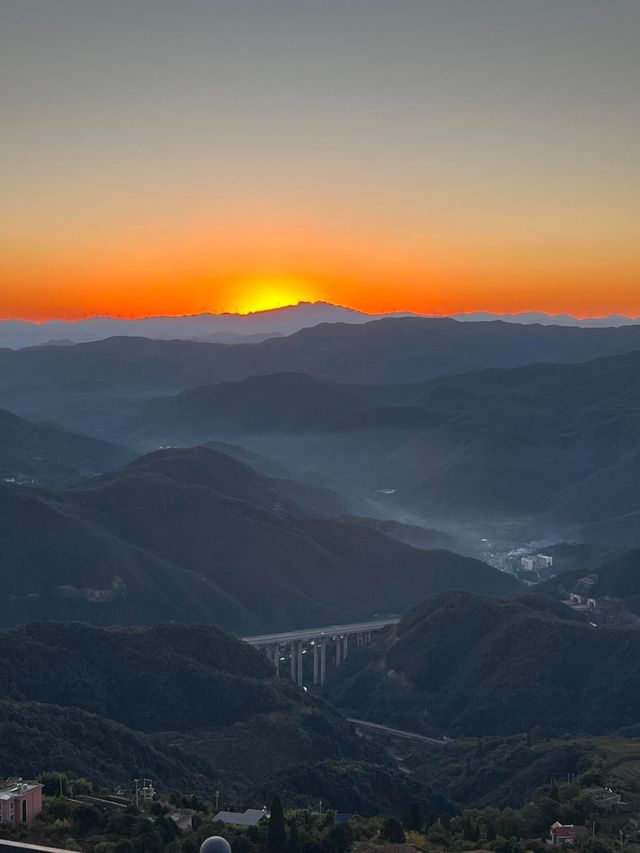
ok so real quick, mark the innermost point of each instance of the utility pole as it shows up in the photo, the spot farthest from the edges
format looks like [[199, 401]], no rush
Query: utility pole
[[217, 800], [147, 789], [136, 781]]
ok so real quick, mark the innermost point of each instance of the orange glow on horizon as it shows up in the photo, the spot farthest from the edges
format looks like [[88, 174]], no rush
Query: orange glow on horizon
[[264, 293], [146, 278], [433, 158], [253, 294]]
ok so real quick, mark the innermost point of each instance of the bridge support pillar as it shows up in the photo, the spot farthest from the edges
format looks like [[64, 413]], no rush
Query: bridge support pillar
[[345, 646], [338, 644], [292, 647], [276, 660], [316, 662], [300, 664], [323, 661]]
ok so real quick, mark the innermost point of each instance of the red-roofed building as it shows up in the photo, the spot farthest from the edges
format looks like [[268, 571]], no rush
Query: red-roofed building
[[565, 833]]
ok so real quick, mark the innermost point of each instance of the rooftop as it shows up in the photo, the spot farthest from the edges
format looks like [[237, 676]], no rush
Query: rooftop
[[17, 789], [250, 817], [567, 830]]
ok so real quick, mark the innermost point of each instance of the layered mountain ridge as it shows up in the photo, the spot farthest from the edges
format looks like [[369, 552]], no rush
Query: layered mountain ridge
[[193, 535]]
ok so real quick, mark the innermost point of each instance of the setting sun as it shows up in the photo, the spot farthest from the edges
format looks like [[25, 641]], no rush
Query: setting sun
[[263, 293]]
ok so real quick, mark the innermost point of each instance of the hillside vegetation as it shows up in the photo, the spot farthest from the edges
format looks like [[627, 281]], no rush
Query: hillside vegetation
[[43, 454], [615, 585], [551, 449], [461, 664], [195, 536], [190, 706]]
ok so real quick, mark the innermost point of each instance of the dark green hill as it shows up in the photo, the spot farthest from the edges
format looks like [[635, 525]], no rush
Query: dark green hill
[[463, 664], [614, 584], [56, 562], [379, 558], [221, 472], [152, 678], [195, 536], [189, 706], [40, 738], [43, 454]]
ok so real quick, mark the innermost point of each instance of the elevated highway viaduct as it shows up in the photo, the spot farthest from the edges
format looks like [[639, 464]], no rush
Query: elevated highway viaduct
[[293, 645]]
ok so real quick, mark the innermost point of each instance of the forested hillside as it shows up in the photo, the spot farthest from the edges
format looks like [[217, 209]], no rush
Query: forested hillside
[[191, 706], [45, 455], [461, 664], [195, 536]]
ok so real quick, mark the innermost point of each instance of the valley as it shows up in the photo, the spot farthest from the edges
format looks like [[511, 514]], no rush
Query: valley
[[362, 534]]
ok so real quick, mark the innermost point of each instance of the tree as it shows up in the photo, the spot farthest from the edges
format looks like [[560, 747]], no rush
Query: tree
[[293, 845], [55, 784], [340, 837], [60, 809], [242, 844], [392, 831], [277, 835], [470, 829], [86, 818], [81, 786], [415, 817]]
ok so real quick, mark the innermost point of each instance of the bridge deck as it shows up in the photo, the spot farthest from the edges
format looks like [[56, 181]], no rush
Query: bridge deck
[[327, 631]]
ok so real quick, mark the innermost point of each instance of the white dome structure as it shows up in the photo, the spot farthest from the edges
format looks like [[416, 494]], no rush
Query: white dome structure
[[215, 844]]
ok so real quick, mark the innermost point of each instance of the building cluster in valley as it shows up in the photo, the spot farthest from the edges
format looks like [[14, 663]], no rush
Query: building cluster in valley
[[532, 568], [526, 564]]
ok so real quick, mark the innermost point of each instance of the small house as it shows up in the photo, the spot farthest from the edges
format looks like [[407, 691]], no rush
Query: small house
[[565, 833], [20, 802]]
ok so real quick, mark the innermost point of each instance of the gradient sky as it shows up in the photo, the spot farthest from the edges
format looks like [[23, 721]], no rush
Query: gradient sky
[[173, 156]]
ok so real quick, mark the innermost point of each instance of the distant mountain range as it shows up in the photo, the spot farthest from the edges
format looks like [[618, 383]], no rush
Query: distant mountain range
[[220, 328], [555, 446], [245, 328], [91, 387], [427, 419], [528, 317], [194, 535]]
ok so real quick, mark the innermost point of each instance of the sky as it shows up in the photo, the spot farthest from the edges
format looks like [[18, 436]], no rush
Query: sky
[[178, 156]]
